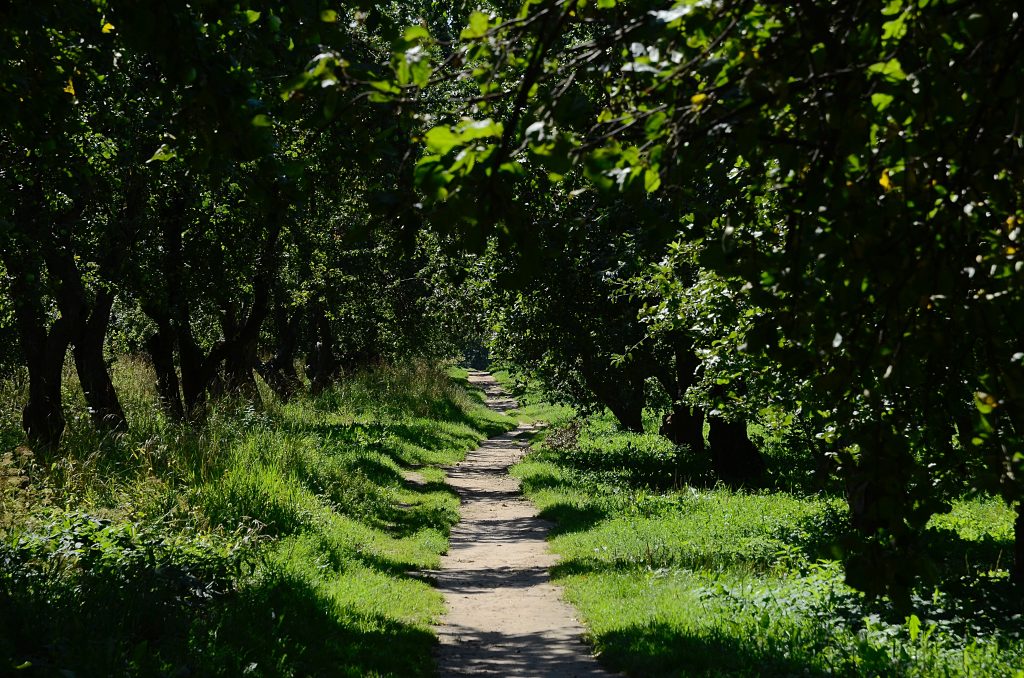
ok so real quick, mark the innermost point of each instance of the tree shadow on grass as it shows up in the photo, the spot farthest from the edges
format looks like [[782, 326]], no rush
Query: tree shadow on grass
[[405, 521], [378, 472], [428, 437], [568, 567], [659, 649], [571, 518], [93, 616], [973, 600], [566, 516], [957, 557], [283, 626]]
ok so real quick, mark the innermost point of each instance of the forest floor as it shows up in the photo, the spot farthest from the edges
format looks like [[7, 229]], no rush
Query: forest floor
[[505, 617]]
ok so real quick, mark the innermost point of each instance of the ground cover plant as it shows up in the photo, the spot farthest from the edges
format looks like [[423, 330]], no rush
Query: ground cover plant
[[276, 542], [697, 578]]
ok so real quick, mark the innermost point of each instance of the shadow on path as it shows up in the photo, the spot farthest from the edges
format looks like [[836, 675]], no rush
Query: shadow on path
[[505, 618]]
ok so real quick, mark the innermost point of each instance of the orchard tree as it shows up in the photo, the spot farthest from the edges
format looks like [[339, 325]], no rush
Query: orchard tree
[[856, 164], [165, 159]]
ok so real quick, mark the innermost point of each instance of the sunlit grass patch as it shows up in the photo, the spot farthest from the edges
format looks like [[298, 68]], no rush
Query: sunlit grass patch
[[313, 492], [715, 581]]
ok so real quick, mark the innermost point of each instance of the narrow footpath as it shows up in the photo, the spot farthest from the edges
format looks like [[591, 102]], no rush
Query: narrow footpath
[[505, 618]]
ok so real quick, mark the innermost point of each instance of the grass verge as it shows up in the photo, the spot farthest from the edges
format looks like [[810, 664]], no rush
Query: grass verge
[[698, 581], [284, 541]]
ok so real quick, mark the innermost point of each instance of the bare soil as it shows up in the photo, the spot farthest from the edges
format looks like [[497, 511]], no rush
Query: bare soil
[[505, 618]]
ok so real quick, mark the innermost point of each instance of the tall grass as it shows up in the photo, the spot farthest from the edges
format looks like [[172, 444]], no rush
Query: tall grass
[[281, 539]]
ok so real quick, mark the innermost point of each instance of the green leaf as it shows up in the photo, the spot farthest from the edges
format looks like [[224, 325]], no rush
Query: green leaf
[[481, 129], [512, 168], [881, 101], [913, 627], [477, 28], [890, 69], [420, 72], [294, 84], [163, 154], [414, 33], [654, 123], [892, 8], [605, 4], [252, 16], [261, 120], [432, 178], [985, 402], [652, 180], [329, 16], [440, 140], [385, 86], [894, 30]]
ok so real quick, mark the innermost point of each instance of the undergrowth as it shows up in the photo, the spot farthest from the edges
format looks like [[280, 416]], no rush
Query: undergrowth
[[678, 579], [283, 540]]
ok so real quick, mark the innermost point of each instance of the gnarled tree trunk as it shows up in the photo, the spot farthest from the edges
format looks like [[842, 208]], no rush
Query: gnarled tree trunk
[[44, 347], [104, 405], [620, 391], [684, 425], [323, 363], [161, 351], [43, 414]]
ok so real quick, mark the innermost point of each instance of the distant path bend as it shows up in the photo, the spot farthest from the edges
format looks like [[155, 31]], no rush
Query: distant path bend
[[505, 618]]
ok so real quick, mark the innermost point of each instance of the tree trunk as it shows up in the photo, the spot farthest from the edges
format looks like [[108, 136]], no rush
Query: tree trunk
[[684, 426], [240, 362], [43, 414], [104, 405], [161, 351], [44, 349], [620, 391], [733, 457], [324, 365], [279, 371], [629, 413], [195, 375], [87, 325], [238, 370], [624, 398]]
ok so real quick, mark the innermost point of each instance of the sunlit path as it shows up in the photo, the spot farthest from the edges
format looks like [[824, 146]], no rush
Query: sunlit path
[[504, 617]]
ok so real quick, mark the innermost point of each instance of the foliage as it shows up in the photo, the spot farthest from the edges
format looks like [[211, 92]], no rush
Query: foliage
[[172, 188], [821, 164], [714, 212]]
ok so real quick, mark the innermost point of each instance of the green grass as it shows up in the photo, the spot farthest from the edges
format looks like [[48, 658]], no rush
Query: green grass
[[533, 404], [705, 580], [282, 541]]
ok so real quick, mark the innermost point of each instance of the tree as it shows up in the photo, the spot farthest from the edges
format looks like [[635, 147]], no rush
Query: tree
[[167, 159], [829, 156]]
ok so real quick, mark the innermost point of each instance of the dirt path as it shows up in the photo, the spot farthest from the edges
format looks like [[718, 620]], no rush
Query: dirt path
[[505, 618]]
